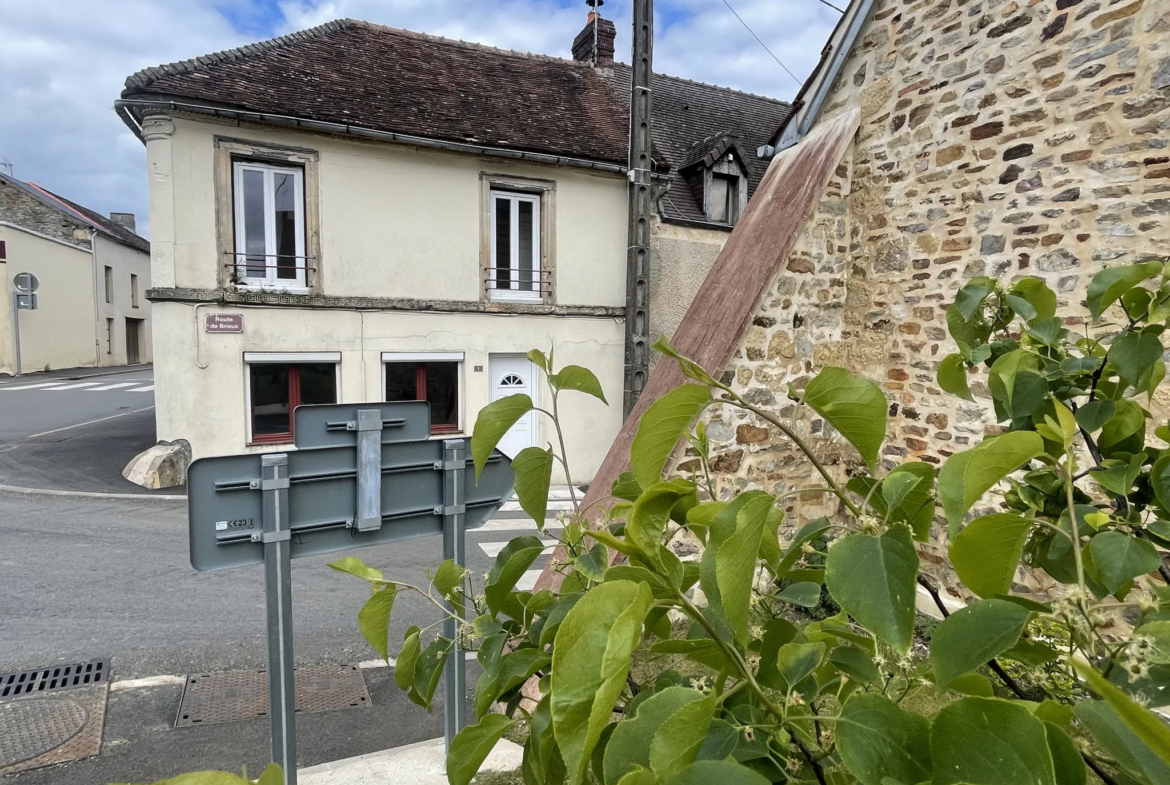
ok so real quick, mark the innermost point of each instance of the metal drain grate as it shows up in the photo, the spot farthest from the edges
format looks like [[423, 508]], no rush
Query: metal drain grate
[[53, 678], [209, 698]]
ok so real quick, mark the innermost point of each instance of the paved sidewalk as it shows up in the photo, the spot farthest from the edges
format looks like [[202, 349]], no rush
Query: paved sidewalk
[[415, 764]]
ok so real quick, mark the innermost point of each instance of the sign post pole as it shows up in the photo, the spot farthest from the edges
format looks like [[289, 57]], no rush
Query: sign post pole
[[454, 547], [278, 588], [16, 328]]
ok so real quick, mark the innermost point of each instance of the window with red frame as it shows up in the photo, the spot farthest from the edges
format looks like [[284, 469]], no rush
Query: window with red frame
[[434, 382], [279, 388]]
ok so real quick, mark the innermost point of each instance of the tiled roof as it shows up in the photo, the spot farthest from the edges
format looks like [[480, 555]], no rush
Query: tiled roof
[[378, 77], [382, 78], [686, 113], [100, 222]]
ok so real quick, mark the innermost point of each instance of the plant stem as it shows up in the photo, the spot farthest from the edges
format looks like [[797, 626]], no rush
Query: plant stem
[[816, 767], [565, 457], [1069, 470]]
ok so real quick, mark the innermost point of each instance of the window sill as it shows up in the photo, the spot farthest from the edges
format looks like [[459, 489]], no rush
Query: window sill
[[267, 441], [515, 300]]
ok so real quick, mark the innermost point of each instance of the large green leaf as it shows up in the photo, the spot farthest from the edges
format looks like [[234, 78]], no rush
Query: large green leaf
[[952, 376], [1038, 295], [471, 746], [1125, 430], [878, 740], [1148, 727], [574, 377], [1067, 762], [971, 636], [429, 668], [967, 475], [986, 553], [856, 663], [1118, 739], [651, 512], [355, 566], [542, 761], [917, 505], [717, 772], [1119, 558], [986, 741], [680, 737], [591, 657], [532, 467], [493, 422], [510, 671], [735, 562], [873, 579], [629, 746], [796, 661], [407, 660], [854, 406], [374, 619], [1112, 282], [1160, 480], [511, 563], [1134, 354], [969, 298], [448, 581], [661, 427], [1094, 414]]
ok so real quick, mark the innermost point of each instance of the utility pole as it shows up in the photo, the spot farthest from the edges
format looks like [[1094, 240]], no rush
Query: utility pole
[[637, 366]]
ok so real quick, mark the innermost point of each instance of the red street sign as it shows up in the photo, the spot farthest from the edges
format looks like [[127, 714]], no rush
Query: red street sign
[[224, 323]]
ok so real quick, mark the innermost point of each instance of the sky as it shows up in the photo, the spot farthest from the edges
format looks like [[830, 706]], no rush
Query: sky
[[63, 62]]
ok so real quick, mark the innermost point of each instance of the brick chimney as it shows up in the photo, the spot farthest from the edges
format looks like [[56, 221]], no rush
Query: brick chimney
[[594, 44], [125, 220]]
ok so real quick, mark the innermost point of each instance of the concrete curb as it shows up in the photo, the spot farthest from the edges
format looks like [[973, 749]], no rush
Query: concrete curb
[[94, 494], [422, 763]]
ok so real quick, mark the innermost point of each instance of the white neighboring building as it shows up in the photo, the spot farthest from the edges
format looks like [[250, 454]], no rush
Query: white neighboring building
[[94, 273], [356, 213]]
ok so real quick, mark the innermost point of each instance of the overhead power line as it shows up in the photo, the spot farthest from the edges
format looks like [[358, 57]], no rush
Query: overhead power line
[[830, 5], [761, 43]]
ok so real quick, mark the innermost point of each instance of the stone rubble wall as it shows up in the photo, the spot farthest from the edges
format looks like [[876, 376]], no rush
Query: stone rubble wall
[[997, 138]]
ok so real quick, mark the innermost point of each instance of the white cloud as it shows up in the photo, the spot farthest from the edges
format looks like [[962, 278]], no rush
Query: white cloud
[[63, 62]]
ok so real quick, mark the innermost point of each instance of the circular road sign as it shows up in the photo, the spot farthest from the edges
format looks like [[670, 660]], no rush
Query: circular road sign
[[25, 283]]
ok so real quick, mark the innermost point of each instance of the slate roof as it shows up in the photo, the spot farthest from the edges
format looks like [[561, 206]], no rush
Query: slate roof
[[371, 76], [687, 114], [77, 213], [100, 222]]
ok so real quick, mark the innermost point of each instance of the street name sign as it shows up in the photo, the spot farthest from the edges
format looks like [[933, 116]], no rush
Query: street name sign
[[363, 474], [224, 323]]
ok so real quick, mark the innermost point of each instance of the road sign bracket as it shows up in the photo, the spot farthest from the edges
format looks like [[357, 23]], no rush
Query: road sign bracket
[[266, 537]]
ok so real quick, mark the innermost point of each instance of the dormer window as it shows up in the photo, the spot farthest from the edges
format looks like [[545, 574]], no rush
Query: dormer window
[[717, 176], [724, 207]]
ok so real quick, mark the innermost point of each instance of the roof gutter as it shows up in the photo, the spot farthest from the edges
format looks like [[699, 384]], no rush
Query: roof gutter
[[124, 106], [797, 125]]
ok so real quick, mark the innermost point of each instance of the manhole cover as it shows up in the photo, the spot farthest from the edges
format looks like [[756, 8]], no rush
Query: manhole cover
[[209, 698], [51, 728]]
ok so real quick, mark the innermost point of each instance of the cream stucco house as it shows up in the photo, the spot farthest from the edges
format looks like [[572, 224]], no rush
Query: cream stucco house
[[93, 272], [357, 213]]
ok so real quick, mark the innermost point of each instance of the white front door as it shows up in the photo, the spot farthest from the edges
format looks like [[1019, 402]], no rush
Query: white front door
[[510, 375]]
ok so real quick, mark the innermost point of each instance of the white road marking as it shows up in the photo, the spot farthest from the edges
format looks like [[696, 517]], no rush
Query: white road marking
[[148, 388], [492, 549], [512, 525], [115, 386], [528, 580], [368, 664], [30, 386], [90, 422], [77, 386]]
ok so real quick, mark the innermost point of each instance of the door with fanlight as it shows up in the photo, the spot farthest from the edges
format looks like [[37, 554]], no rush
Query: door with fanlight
[[512, 375]]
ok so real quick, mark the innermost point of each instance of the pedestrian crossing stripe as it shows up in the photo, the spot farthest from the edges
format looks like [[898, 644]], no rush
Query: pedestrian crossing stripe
[[142, 385]]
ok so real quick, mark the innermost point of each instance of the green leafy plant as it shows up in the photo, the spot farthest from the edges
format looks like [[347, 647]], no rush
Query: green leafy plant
[[652, 670]]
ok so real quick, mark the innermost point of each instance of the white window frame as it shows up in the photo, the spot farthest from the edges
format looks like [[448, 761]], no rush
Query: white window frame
[[269, 280], [515, 295], [428, 357], [282, 358]]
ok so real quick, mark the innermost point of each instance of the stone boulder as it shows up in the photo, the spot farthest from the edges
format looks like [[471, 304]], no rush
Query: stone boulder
[[162, 466]]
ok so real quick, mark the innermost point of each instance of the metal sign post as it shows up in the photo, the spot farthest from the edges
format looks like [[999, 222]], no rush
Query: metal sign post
[[23, 299], [363, 474]]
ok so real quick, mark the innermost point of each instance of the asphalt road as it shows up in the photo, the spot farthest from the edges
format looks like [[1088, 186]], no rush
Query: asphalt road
[[82, 578]]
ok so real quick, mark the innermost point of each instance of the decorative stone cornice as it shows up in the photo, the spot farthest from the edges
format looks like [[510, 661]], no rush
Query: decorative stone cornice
[[327, 302]]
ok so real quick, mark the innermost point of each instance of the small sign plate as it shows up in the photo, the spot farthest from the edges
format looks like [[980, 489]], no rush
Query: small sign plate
[[26, 301], [25, 283], [224, 323]]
